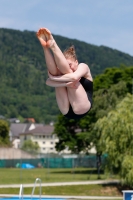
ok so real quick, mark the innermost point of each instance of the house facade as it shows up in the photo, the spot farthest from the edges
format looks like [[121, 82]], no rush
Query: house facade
[[43, 136], [16, 129], [39, 134]]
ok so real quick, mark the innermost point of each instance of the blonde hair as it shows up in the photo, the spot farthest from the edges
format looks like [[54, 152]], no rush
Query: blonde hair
[[70, 53]]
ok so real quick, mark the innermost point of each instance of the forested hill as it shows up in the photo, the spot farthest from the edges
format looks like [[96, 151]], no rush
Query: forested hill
[[23, 72], [17, 47]]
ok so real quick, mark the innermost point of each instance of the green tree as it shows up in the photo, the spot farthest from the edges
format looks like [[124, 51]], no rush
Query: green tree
[[113, 76], [71, 135], [116, 138], [4, 133], [30, 146], [106, 99]]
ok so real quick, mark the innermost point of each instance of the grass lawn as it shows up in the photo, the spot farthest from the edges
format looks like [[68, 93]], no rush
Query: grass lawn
[[76, 190], [21, 176], [24, 176]]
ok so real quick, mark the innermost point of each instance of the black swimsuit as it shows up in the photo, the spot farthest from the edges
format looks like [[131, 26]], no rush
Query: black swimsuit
[[88, 86]]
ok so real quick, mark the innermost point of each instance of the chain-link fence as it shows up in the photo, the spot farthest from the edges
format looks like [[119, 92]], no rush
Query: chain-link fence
[[48, 161]]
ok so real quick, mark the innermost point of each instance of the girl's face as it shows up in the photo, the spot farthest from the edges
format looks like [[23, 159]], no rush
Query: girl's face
[[73, 64]]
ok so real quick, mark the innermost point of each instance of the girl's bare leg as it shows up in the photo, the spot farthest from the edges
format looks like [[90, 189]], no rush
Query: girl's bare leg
[[62, 99], [50, 62], [59, 58], [47, 42], [78, 99]]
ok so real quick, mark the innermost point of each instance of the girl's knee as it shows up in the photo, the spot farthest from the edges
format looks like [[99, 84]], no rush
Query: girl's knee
[[77, 110], [81, 109], [64, 111]]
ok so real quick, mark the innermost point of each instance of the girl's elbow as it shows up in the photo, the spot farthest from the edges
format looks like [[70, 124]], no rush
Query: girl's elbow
[[47, 81]]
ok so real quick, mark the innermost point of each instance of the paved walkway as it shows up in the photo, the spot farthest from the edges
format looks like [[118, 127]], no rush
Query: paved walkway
[[62, 184], [68, 197]]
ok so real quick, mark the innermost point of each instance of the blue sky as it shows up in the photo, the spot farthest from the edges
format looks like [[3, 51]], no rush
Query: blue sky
[[98, 22]]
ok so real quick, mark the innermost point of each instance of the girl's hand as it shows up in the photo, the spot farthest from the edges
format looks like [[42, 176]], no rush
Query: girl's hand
[[73, 85]]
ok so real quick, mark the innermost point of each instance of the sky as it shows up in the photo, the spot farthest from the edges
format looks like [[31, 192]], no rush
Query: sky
[[97, 22]]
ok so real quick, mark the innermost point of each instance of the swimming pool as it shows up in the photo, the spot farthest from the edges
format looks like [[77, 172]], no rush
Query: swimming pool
[[21, 195], [29, 198]]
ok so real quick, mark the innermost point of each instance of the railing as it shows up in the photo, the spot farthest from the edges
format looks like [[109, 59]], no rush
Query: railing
[[37, 179], [21, 192]]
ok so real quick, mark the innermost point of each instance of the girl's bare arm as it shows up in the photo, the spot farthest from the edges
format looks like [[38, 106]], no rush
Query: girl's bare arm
[[82, 71], [55, 84]]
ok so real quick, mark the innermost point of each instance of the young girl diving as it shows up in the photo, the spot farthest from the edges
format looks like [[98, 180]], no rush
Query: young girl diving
[[72, 80]]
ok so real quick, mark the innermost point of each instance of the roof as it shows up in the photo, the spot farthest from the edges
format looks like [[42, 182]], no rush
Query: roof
[[30, 120], [17, 128], [42, 129]]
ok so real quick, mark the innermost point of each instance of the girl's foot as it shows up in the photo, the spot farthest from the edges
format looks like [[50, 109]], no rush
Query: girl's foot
[[41, 36], [45, 37], [49, 37]]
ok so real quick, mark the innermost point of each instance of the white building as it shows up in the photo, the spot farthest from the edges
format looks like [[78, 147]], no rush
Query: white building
[[16, 129], [42, 135]]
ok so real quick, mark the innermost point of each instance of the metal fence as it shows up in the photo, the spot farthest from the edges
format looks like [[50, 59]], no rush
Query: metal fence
[[46, 161]]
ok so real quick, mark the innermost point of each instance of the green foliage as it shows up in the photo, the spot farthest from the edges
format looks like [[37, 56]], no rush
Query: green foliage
[[106, 99], [116, 137], [65, 129], [30, 146], [127, 170], [113, 76], [71, 135], [4, 133]]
